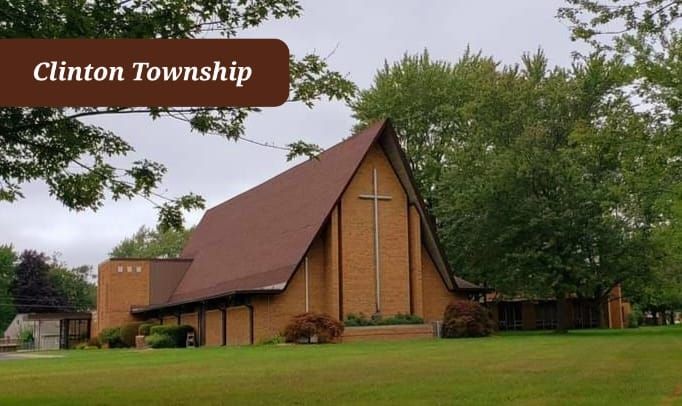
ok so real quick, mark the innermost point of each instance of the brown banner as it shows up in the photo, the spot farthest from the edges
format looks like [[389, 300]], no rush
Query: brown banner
[[156, 72]]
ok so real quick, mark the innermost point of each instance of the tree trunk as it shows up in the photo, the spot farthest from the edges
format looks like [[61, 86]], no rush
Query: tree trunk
[[562, 313]]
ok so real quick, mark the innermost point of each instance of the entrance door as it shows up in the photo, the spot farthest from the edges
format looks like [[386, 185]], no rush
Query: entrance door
[[73, 332]]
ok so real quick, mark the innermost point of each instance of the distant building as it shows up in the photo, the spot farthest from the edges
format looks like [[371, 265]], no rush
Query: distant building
[[50, 331], [539, 314]]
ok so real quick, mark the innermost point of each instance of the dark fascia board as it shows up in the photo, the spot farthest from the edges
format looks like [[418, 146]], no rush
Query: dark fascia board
[[151, 259], [144, 309]]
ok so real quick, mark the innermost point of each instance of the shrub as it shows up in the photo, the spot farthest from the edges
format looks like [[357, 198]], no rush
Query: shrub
[[177, 333], [128, 333], [144, 329], [355, 320], [313, 328], [160, 341], [112, 337], [276, 339], [464, 318], [26, 336], [401, 319]]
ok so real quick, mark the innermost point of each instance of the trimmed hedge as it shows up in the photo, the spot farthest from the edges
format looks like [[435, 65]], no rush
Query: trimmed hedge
[[128, 333], [144, 329], [177, 333], [313, 328], [464, 318], [160, 341], [356, 320], [111, 337]]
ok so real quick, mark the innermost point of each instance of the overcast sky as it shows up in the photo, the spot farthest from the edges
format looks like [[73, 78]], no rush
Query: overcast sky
[[367, 33]]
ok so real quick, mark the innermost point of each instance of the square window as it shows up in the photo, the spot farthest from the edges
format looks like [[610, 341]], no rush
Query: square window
[[130, 268], [119, 269], [138, 269]]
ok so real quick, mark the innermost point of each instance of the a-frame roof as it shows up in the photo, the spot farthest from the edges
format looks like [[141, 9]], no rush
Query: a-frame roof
[[255, 241]]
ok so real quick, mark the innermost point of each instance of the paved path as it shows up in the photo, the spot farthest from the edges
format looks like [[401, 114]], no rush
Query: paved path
[[8, 356]]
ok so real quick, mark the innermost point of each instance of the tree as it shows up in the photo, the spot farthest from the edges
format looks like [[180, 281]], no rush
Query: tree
[[149, 243], [31, 288], [662, 291], [593, 20], [427, 101], [7, 263], [74, 287], [647, 36], [75, 158], [545, 179]]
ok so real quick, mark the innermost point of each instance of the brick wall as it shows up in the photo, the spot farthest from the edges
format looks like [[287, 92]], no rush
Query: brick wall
[[272, 313], [120, 285], [214, 328], [416, 279], [383, 333], [331, 265], [170, 321], [357, 248], [238, 326], [436, 295], [190, 319]]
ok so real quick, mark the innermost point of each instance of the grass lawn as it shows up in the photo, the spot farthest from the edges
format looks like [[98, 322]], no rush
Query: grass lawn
[[642, 366]]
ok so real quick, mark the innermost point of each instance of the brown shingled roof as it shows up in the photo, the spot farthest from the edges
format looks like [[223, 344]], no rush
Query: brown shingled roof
[[256, 240]]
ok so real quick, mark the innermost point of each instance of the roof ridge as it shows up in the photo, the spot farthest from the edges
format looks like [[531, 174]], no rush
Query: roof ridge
[[380, 124]]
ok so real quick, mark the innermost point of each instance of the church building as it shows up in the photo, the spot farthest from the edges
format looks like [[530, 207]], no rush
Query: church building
[[346, 233]]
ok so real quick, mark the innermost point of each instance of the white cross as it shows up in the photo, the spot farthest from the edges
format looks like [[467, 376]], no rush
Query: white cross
[[376, 197]]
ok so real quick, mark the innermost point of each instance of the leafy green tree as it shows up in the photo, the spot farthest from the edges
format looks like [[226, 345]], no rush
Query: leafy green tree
[[75, 158], [595, 21], [647, 36], [427, 101], [150, 243], [31, 287], [74, 286], [7, 263], [545, 179], [662, 291]]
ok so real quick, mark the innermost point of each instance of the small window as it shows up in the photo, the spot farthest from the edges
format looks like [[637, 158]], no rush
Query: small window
[[138, 269], [130, 268], [119, 269]]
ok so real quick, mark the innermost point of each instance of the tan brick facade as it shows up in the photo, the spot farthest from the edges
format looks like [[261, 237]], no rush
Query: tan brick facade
[[121, 284], [214, 328], [436, 295], [238, 326], [384, 333], [170, 320], [357, 230], [416, 279]]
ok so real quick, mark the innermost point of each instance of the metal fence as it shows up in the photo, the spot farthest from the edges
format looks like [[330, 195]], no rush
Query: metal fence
[[44, 343]]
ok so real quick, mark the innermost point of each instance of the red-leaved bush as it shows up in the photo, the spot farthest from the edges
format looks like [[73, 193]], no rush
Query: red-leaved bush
[[464, 318], [313, 328]]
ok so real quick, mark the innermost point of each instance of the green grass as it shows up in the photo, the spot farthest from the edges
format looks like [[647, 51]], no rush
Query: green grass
[[642, 366]]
